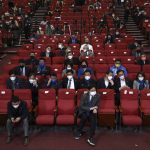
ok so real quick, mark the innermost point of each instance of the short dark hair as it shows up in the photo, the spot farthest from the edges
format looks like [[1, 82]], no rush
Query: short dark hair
[[142, 73], [109, 71], [120, 71], [92, 86], [118, 60], [12, 72], [15, 99], [87, 70], [69, 71]]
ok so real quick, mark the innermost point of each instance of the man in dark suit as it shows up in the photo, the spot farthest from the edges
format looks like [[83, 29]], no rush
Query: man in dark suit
[[13, 82], [88, 111], [87, 81], [106, 82], [41, 69], [70, 82], [73, 40], [32, 60], [33, 85], [120, 83], [47, 53], [17, 115], [71, 60], [51, 82], [143, 60], [22, 69]]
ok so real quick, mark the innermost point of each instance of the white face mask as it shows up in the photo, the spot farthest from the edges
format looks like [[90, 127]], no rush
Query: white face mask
[[31, 81], [141, 78], [70, 57], [60, 46], [12, 78], [92, 93], [110, 77], [68, 68], [16, 106], [47, 51], [121, 77], [69, 77], [87, 77]]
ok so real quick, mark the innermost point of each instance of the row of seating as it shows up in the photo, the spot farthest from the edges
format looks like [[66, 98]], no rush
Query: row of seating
[[134, 105]]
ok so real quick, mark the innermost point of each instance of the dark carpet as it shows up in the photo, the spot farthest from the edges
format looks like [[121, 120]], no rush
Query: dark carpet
[[64, 140]]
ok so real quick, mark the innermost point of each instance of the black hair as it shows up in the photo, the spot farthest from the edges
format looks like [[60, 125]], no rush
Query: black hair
[[120, 71], [15, 99], [69, 71]]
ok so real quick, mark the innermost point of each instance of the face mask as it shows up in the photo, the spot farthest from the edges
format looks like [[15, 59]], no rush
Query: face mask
[[31, 81], [16, 106], [84, 66], [70, 57], [141, 78], [68, 68], [60, 46], [87, 77], [69, 77], [110, 77], [12, 78], [47, 51], [117, 65], [121, 77], [92, 93]]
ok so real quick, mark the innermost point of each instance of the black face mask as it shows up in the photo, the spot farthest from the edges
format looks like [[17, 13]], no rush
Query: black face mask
[[21, 66], [32, 57], [84, 66]]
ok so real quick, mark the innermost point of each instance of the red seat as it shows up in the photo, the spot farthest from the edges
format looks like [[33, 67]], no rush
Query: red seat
[[27, 46], [130, 114], [132, 68], [24, 94], [46, 107], [66, 107], [107, 108], [58, 60], [100, 60], [146, 68], [5, 97]]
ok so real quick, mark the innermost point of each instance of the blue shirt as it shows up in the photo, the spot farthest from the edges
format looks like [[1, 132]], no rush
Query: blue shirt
[[81, 71], [114, 70]]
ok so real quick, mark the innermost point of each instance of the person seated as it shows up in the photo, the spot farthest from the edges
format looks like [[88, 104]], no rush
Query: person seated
[[106, 82], [87, 80], [17, 115], [97, 4], [42, 69], [73, 39], [140, 82], [83, 68], [86, 49], [13, 82], [49, 30], [117, 35], [33, 85], [120, 83], [62, 49], [118, 66], [51, 82], [109, 39], [68, 67], [47, 53], [143, 60], [70, 59], [22, 69], [87, 111], [43, 22], [32, 60], [70, 82]]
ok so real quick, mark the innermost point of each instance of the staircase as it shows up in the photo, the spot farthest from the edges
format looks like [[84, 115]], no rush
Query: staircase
[[132, 28], [36, 19]]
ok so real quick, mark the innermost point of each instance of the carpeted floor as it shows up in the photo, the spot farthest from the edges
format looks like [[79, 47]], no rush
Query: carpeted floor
[[64, 140]]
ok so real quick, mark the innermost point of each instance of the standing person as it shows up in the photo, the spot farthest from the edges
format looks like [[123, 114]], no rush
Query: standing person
[[88, 111], [17, 115], [126, 14], [27, 26]]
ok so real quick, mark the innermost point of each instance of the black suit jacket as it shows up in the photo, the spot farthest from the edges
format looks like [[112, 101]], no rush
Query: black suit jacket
[[21, 111], [76, 41], [73, 61], [140, 62], [84, 103], [17, 84], [18, 70], [65, 83], [43, 54], [101, 84], [117, 84], [87, 83]]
